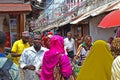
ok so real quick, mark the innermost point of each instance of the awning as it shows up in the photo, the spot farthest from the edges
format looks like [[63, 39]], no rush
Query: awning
[[49, 27], [105, 8], [64, 23], [5, 8], [46, 28]]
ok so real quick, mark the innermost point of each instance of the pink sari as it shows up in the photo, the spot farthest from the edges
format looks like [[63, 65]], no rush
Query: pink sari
[[51, 58]]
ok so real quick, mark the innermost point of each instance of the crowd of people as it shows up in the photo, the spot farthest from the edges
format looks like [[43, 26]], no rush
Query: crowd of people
[[52, 57]]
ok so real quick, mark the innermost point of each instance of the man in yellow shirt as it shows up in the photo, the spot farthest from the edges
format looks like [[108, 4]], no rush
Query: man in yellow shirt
[[19, 46]]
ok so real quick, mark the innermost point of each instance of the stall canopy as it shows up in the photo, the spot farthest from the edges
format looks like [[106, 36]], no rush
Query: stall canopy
[[6, 8]]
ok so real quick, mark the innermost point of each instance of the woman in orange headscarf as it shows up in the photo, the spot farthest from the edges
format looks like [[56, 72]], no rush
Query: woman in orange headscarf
[[97, 65]]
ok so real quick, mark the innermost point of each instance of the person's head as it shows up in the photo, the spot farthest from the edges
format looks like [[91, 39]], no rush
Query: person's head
[[115, 46], [69, 35], [3, 40], [42, 34], [37, 40], [25, 37], [46, 41], [57, 43], [88, 40], [50, 34]]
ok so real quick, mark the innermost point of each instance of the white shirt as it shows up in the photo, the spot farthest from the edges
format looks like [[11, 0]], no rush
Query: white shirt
[[83, 54], [69, 44], [31, 57]]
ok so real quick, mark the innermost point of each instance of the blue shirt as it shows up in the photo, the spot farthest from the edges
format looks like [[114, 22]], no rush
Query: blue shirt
[[14, 71]]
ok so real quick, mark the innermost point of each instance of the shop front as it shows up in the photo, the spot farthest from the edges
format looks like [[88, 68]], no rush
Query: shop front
[[12, 20]]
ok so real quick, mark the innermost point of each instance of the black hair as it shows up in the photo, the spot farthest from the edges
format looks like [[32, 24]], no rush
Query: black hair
[[3, 39]]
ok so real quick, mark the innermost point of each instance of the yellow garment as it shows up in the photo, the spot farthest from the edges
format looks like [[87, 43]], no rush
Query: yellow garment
[[116, 69], [97, 65], [18, 48]]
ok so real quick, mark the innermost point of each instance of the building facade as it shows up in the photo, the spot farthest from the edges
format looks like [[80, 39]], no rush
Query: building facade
[[81, 17], [12, 18]]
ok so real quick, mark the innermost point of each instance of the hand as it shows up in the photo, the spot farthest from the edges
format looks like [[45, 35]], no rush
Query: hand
[[31, 67], [76, 57], [40, 67], [38, 72]]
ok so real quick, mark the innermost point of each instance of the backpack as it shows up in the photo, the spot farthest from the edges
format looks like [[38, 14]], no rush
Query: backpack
[[4, 70]]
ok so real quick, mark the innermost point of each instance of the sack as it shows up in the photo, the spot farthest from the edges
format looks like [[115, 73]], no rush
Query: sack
[[4, 71], [57, 73], [9, 56]]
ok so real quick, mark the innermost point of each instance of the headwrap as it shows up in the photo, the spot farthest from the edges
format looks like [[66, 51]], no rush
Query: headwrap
[[115, 46], [37, 36], [50, 34], [45, 39], [25, 34]]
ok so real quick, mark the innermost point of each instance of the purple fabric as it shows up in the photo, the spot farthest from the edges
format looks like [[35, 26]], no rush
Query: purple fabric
[[51, 58], [118, 33]]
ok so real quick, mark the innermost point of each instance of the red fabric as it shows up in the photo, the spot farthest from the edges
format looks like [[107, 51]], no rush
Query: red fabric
[[8, 39], [44, 41], [50, 33], [111, 20]]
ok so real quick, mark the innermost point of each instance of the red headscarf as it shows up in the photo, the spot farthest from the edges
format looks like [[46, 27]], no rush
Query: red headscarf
[[45, 39]]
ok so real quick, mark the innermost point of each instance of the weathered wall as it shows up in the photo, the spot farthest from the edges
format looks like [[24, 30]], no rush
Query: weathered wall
[[100, 33]]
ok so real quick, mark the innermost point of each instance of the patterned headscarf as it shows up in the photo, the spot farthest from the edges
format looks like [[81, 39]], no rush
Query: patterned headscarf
[[25, 34], [115, 46]]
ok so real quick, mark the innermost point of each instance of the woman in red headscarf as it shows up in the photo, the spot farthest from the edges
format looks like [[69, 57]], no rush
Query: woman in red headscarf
[[45, 40]]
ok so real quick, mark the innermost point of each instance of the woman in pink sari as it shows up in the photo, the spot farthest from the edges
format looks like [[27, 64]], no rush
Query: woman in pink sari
[[55, 55]]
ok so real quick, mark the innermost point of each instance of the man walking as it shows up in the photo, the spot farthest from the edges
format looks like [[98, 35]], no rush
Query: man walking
[[69, 45]]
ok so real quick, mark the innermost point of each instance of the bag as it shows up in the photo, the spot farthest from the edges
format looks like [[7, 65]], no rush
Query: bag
[[4, 71], [9, 56], [57, 73]]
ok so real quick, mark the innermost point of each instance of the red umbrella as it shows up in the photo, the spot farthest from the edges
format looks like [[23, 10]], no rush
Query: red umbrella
[[111, 20]]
